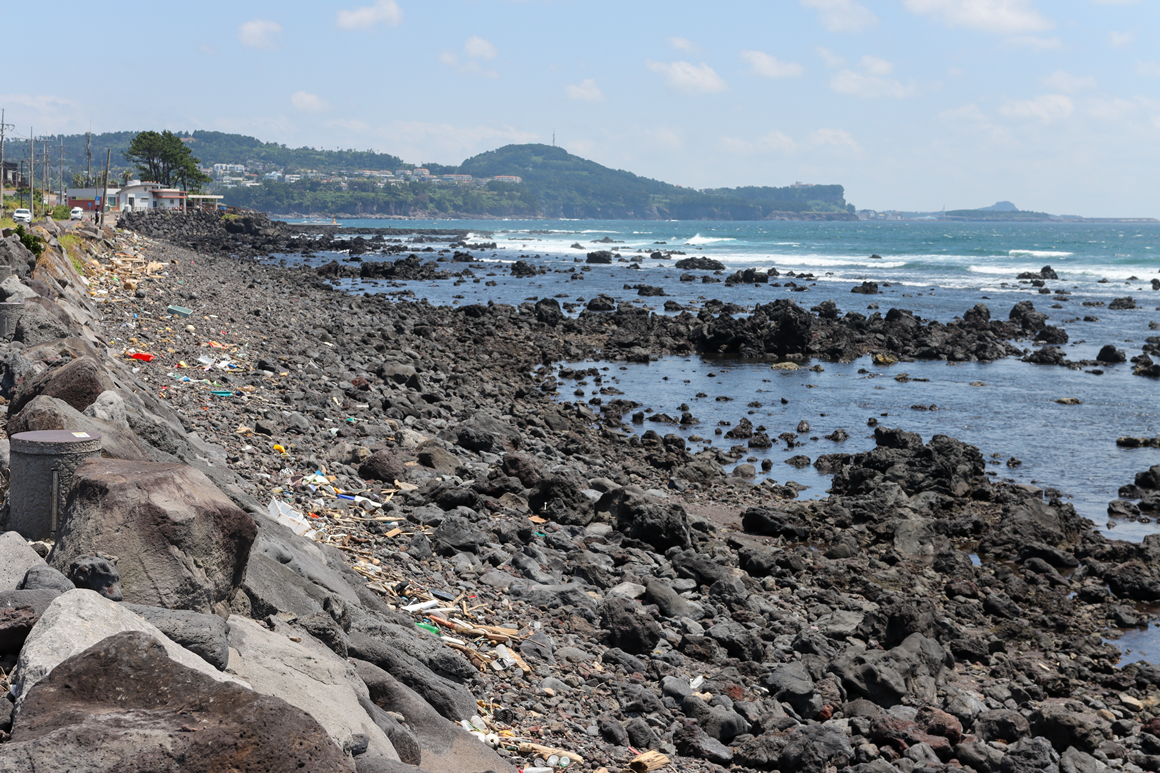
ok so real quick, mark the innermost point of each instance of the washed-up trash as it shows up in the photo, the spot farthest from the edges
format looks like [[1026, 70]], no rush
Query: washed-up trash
[[442, 594], [221, 393], [179, 311], [290, 518], [646, 762], [420, 606], [428, 628], [548, 751], [143, 357], [503, 658]]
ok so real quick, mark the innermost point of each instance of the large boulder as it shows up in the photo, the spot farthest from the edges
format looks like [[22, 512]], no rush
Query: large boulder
[[446, 695], [77, 620], [629, 627], [306, 674], [640, 516], [203, 635], [42, 320], [181, 542], [445, 747], [16, 558], [78, 383], [123, 704]]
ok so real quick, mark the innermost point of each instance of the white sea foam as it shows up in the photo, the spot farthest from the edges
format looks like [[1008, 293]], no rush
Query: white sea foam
[[699, 240], [1041, 253]]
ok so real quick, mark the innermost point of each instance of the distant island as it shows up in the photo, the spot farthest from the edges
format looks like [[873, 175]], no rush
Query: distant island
[[999, 212]]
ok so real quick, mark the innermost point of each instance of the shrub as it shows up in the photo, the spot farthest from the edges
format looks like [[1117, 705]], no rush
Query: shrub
[[60, 212], [33, 242]]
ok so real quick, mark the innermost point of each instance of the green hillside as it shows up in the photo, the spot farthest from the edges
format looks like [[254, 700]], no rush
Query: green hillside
[[569, 186], [208, 147]]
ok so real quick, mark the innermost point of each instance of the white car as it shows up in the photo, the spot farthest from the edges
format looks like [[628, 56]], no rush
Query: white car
[[22, 216], [76, 214]]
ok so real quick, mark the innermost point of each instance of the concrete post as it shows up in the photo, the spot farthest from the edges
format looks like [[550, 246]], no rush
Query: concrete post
[[41, 472]]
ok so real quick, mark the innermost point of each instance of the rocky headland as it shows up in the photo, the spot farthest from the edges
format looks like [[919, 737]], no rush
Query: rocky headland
[[328, 531]]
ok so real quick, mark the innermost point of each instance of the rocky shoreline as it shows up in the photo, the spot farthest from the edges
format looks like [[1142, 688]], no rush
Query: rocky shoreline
[[547, 572]]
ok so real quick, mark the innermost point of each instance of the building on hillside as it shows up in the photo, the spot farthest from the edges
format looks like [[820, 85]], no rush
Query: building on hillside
[[140, 196], [457, 178], [89, 199], [507, 178]]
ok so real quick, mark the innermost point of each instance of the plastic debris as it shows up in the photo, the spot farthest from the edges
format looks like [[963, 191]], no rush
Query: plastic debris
[[419, 606], [179, 311], [290, 518], [143, 357]]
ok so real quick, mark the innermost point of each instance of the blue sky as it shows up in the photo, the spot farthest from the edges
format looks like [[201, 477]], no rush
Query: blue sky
[[911, 104]]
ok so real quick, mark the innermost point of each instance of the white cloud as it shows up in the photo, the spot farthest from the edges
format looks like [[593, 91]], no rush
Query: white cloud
[[1120, 39], [872, 81], [1151, 69], [768, 66], [876, 65], [1060, 80], [585, 91], [1035, 42], [1001, 17], [43, 109], [836, 137], [382, 12], [774, 141], [830, 58], [260, 33], [1110, 109], [478, 48], [1046, 108], [690, 78], [307, 102], [842, 15], [684, 44]]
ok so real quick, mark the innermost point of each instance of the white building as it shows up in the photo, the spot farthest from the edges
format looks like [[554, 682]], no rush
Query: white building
[[139, 197]]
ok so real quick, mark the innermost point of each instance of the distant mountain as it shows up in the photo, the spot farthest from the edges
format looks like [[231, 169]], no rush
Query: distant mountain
[[553, 183], [1000, 206], [570, 186]]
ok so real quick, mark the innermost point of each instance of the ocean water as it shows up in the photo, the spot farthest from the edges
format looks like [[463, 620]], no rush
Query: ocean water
[[937, 270]]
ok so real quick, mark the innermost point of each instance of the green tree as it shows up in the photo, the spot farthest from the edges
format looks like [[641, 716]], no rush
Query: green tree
[[165, 159]]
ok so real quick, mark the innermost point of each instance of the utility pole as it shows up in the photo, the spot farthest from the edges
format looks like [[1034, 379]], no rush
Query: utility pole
[[31, 172], [105, 192], [44, 167], [3, 172], [88, 159], [60, 171]]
